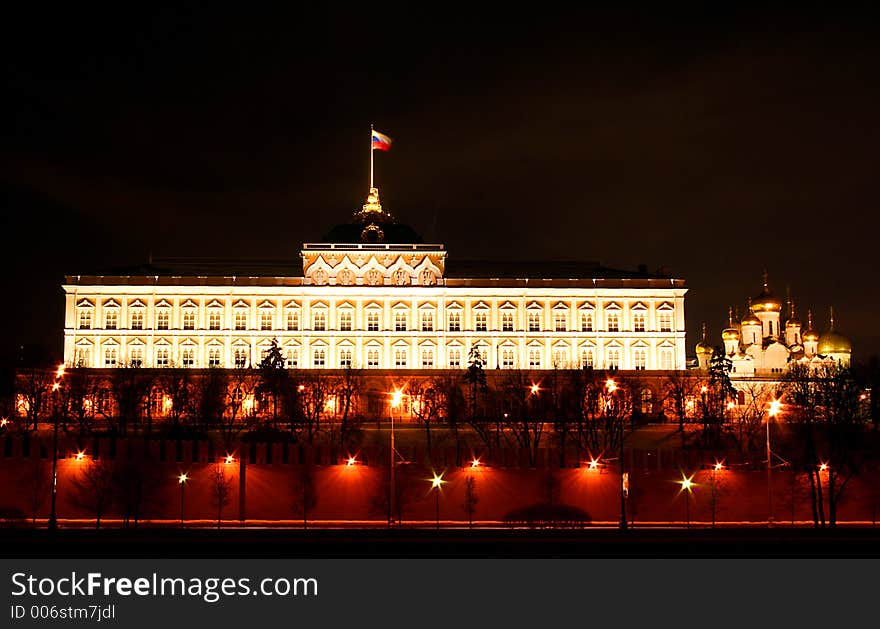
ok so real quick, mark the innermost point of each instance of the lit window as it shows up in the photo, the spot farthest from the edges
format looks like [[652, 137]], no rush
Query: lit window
[[454, 358], [214, 320], [534, 322], [83, 357], [110, 319], [613, 359], [214, 357], [345, 321], [560, 321], [85, 319], [292, 320], [507, 322], [162, 357], [400, 357], [319, 321], [372, 321], [292, 361], [427, 321], [586, 322], [188, 357], [666, 358], [240, 357], [372, 358], [481, 321], [455, 322], [240, 320], [535, 358], [265, 320], [613, 320], [427, 358], [560, 359], [320, 357], [110, 357], [586, 358], [137, 319], [189, 320], [640, 359], [345, 358], [137, 357], [639, 322], [665, 321], [399, 321], [507, 358]]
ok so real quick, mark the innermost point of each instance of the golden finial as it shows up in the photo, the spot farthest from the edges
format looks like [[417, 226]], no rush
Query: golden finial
[[831, 320], [704, 331], [730, 316], [810, 318], [373, 204], [766, 283]]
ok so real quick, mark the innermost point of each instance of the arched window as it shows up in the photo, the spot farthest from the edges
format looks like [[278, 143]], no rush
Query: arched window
[[427, 358], [613, 358], [345, 358], [214, 357], [640, 359], [241, 357], [320, 357]]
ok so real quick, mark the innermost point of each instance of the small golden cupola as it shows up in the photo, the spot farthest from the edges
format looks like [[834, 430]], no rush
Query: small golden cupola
[[704, 351], [768, 308], [792, 327], [834, 344], [730, 335]]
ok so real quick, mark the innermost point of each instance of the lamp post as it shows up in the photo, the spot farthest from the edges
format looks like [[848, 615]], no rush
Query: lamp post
[[181, 480], [686, 485], [53, 519], [396, 399], [436, 483], [771, 413], [611, 387]]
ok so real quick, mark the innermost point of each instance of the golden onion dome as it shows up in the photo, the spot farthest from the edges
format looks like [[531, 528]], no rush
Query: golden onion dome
[[751, 319], [810, 334], [792, 323], [704, 348], [730, 334], [833, 343], [766, 301]]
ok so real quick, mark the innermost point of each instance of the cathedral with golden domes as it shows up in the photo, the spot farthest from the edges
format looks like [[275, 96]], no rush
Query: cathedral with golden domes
[[761, 346]]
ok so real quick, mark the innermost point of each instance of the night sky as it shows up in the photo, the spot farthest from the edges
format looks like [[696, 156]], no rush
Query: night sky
[[713, 145]]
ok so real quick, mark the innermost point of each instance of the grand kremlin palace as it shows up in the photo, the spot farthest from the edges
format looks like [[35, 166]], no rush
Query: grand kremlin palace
[[372, 295]]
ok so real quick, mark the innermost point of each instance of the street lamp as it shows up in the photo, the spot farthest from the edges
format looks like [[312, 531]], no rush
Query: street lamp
[[775, 406], [396, 400], [436, 483], [686, 485], [181, 480], [53, 519], [718, 467], [611, 387]]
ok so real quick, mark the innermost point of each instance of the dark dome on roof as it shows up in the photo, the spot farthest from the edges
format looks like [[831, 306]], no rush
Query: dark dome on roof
[[373, 231], [373, 225]]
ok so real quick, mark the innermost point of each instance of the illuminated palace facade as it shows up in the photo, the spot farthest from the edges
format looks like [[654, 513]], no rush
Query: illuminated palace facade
[[374, 296]]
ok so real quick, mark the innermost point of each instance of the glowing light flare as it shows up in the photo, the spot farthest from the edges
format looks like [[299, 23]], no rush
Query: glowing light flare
[[59, 373], [611, 385], [863, 396], [475, 463], [730, 406], [593, 464], [229, 459], [301, 388], [534, 389], [686, 483], [182, 479], [396, 398], [80, 455], [351, 461], [56, 386], [3, 422], [437, 481], [704, 389], [823, 467], [775, 407], [719, 466]]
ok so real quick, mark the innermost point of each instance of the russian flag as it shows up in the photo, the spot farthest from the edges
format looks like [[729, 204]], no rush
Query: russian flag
[[381, 141]]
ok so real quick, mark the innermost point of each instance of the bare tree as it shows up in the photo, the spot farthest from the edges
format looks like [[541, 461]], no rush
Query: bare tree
[[37, 479], [679, 388], [129, 387], [136, 485], [33, 386], [348, 392], [470, 499], [93, 488], [221, 489], [305, 495]]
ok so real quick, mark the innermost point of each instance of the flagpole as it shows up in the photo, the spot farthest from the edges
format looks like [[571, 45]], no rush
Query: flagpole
[[371, 156]]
